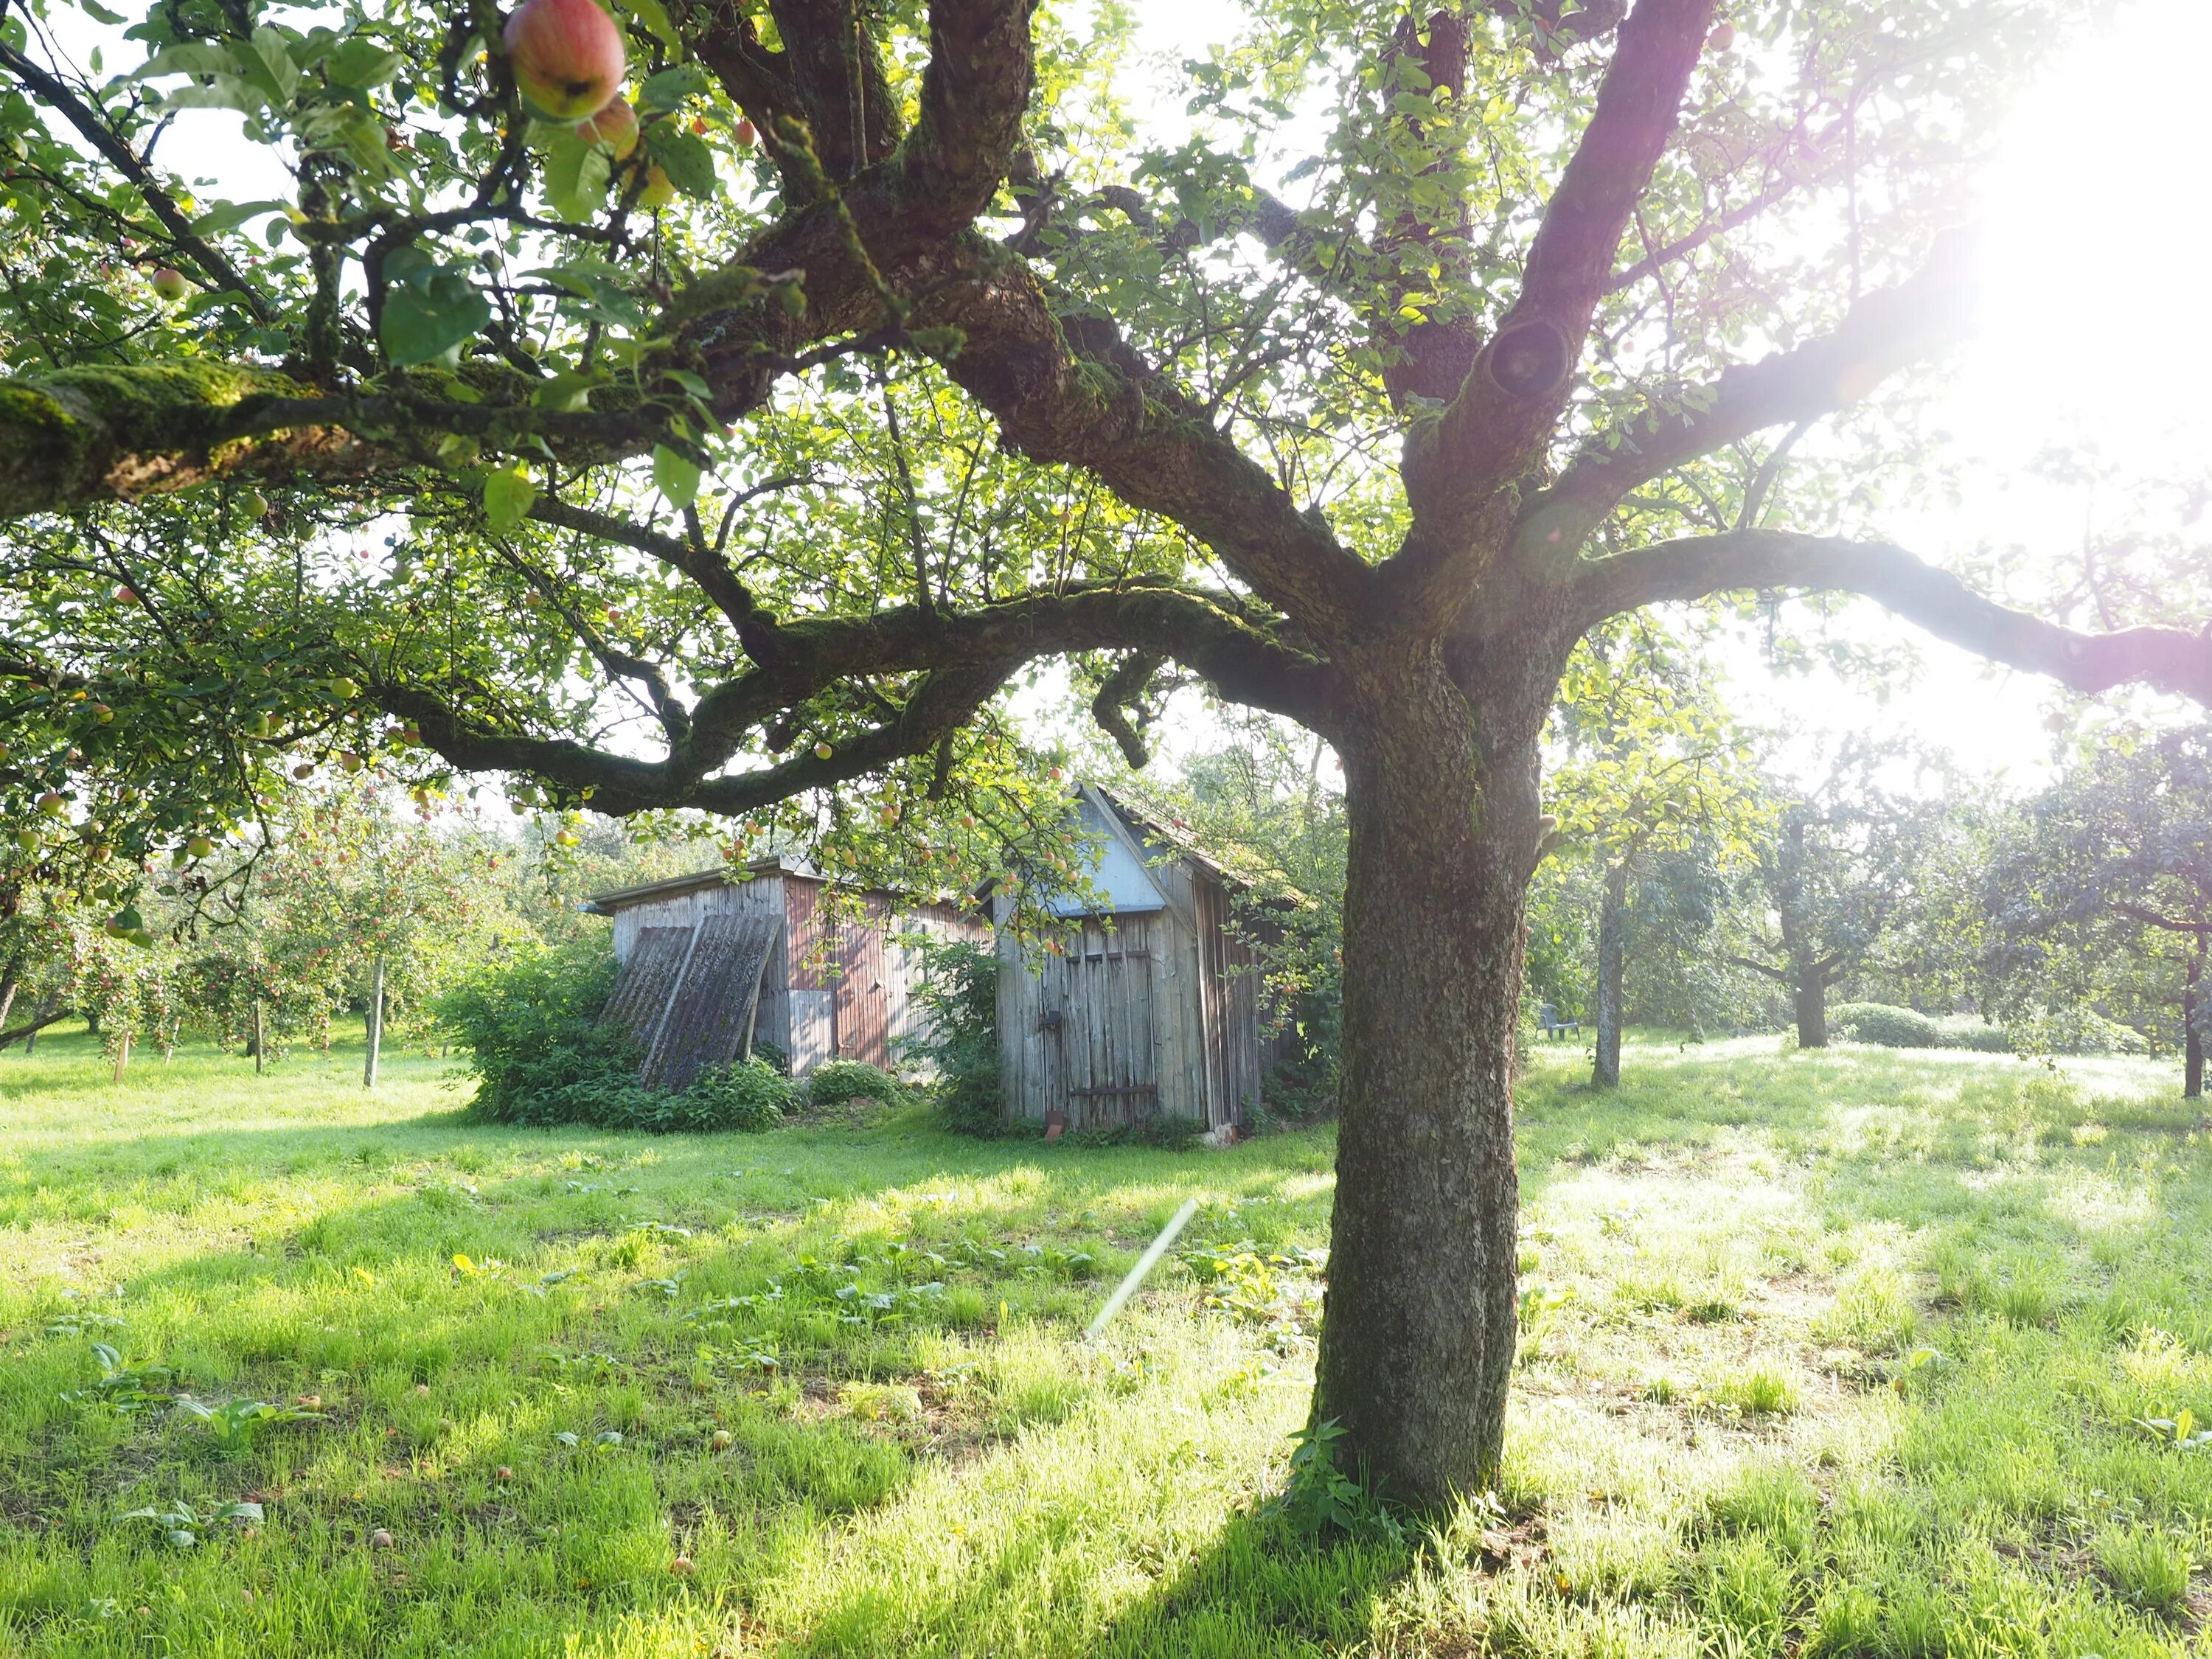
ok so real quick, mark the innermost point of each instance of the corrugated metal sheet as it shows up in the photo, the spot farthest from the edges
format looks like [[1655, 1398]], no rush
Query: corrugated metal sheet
[[710, 1015], [640, 993], [861, 1011], [837, 979]]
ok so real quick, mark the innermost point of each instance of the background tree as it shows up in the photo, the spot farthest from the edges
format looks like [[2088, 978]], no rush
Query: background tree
[[1839, 864], [2103, 895], [745, 470], [347, 895], [1654, 781]]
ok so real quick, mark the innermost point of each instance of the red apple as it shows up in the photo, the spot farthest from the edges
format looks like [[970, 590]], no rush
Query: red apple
[[745, 133], [172, 286], [568, 56], [615, 126], [1722, 38]]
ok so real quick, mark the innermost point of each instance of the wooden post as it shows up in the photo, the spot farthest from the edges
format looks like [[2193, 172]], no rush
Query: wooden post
[[122, 1056], [376, 1023], [260, 1040]]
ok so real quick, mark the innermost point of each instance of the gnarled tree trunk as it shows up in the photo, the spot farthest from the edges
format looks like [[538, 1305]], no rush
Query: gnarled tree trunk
[[1809, 990], [1417, 1346], [1612, 977], [2192, 1025]]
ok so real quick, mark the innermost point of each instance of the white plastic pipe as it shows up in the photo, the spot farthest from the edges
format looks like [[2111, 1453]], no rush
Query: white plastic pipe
[[1145, 1263]]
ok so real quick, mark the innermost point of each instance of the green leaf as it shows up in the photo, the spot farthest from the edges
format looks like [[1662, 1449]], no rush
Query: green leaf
[[100, 14], [363, 63], [684, 157], [654, 17], [675, 477], [576, 174], [224, 92], [231, 215], [268, 66], [189, 58], [508, 496], [568, 393], [429, 321], [672, 87]]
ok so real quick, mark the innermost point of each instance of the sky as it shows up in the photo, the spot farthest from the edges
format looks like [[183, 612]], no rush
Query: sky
[[2094, 238], [2092, 224]]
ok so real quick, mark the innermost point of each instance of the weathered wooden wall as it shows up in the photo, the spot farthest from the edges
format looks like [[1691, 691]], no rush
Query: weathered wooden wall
[[838, 983], [1156, 1012]]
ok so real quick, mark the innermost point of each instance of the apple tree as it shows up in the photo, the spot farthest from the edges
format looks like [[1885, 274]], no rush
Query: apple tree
[[745, 463]]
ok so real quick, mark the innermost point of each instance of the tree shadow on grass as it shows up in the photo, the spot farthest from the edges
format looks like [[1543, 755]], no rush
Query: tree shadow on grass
[[974, 1565], [269, 1272]]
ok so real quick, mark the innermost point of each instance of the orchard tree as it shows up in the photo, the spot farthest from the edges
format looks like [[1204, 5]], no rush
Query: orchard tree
[[2113, 865], [743, 463], [1839, 864], [1655, 782]]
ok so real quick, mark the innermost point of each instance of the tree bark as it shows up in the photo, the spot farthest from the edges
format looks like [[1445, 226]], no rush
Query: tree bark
[[2193, 1025], [259, 1041], [375, 1023], [1612, 977], [1810, 989], [10, 981], [1417, 1341]]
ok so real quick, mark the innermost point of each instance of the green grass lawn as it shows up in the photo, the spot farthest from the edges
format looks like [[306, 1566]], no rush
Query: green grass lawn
[[1836, 1354]]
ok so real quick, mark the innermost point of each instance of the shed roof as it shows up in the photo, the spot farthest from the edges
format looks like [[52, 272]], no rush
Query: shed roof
[[622, 898]]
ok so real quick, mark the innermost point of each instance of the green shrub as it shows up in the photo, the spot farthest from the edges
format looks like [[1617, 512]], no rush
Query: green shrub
[[1972, 1031], [748, 1096], [1878, 1021], [530, 1021], [2078, 1031], [959, 1045], [1907, 1028], [841, 1080]]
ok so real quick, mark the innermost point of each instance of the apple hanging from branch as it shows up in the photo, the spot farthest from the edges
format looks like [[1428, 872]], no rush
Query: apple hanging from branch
[[615, 126], [568, 56]]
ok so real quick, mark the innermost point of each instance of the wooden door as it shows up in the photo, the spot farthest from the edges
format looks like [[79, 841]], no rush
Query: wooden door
[[1106, 1061]]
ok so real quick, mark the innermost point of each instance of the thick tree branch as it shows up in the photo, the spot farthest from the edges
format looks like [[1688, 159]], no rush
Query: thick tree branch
[[1069, 389], [2167, 658], [1883, 333], [1780, 975], [1121, 693], [1498, 425], [93, 127], [2147, 918], [955, 662]]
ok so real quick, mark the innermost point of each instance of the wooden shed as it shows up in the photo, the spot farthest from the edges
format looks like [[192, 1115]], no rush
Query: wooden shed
[[1149, 1007], [713, 962]]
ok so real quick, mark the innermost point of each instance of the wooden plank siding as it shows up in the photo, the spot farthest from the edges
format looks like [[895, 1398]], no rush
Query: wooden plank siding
[[1143, 1011]]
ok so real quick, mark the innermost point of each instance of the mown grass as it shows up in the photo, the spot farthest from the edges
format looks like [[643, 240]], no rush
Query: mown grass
[[1828, 1354]]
